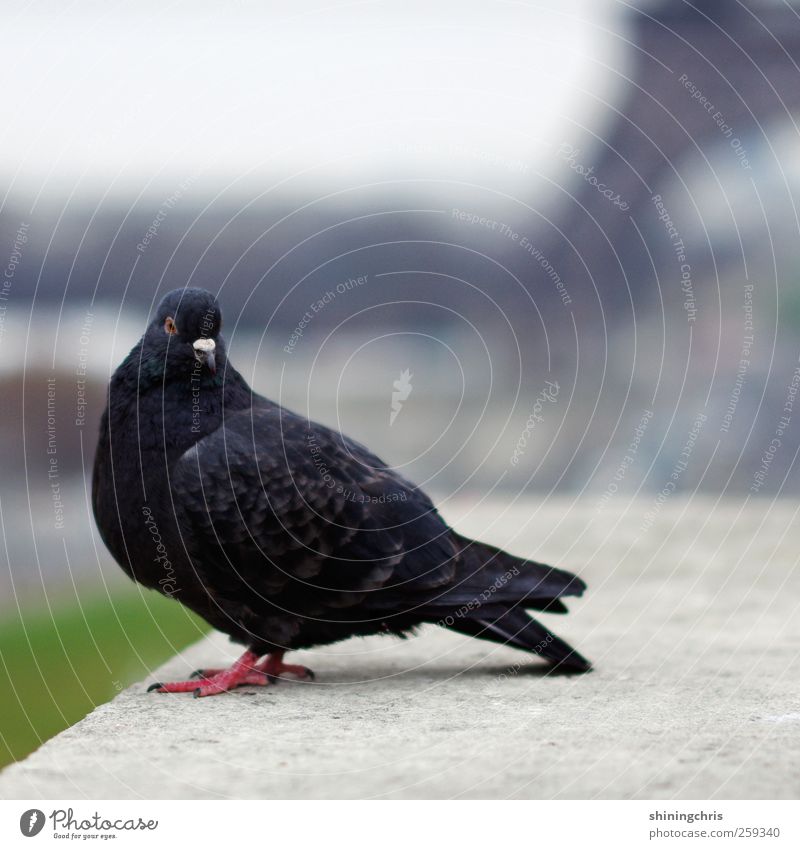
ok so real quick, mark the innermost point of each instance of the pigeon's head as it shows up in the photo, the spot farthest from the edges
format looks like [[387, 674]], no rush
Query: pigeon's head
[[185, 330]]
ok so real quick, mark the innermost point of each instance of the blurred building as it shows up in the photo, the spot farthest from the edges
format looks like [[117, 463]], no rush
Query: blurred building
[[574, 230]]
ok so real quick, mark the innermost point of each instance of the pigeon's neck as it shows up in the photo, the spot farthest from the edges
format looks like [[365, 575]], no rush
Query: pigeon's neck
[[168, 413]]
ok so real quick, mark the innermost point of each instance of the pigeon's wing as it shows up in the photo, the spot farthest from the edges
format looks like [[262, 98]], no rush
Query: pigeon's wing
[[274, 504]]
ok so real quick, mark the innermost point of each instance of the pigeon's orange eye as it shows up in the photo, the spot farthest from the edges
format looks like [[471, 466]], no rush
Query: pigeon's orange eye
[[170, 326]]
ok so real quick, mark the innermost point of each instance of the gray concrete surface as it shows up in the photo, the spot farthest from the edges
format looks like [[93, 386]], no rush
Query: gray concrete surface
[[692, 623]]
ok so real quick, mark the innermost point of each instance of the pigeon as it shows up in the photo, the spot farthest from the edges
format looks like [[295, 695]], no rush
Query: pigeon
[[282, 533]]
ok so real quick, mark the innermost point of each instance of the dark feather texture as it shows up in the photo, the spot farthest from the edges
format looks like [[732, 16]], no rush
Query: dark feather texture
[[281, 532]]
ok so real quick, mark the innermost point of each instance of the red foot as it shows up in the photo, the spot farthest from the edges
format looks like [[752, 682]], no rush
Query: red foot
[[274, 666], [244, 671]]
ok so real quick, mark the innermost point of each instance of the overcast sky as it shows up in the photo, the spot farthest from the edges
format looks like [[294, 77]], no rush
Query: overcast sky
[[121, 94]]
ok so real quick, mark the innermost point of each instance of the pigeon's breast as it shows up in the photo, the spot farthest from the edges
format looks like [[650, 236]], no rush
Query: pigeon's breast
[[136, 454]]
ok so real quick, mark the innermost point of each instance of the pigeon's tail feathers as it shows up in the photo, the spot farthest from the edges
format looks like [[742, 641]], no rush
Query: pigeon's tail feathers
[[495, 589], [498, 576], [514, 627]]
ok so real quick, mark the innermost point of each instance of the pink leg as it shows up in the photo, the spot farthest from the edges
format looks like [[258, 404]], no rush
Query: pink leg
[[273, 666], [244, 671]]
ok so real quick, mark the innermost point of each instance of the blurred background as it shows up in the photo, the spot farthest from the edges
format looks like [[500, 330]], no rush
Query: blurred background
[[519, 249]]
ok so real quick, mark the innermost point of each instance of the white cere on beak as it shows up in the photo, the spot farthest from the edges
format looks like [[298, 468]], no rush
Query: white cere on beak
[[204, 345]]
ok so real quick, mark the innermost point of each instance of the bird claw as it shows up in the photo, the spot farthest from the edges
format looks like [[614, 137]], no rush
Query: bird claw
[[275, 668], [213, 685], [308, 674], [242, 672], [205, 673], [296, 674], [210, 682]]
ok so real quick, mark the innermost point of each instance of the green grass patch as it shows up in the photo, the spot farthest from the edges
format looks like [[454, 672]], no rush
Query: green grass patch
[[55, 667]]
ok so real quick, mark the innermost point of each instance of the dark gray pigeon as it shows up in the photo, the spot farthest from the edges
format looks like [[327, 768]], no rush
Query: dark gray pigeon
[[278, 531]]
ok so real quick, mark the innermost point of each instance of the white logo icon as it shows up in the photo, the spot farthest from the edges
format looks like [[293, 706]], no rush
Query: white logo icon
[[31, 822], [402, 389]]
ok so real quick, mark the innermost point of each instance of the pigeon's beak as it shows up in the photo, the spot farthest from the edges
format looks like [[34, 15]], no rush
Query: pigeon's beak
[[204, 351]]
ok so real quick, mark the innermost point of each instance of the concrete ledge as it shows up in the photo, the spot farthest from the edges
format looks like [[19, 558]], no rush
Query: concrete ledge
[[697, 642]]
